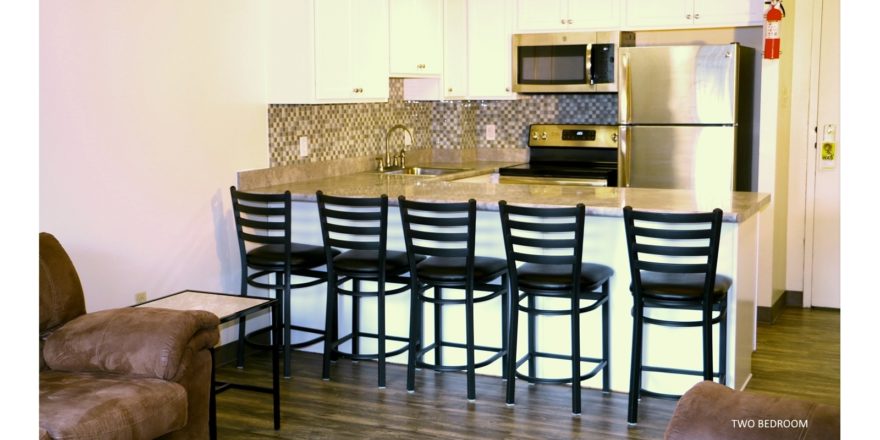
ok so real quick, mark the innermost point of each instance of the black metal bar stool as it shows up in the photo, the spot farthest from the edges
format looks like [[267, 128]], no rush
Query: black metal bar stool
[[359, 227], [673, 258], [549, 243], [445, 233], [263, 226]]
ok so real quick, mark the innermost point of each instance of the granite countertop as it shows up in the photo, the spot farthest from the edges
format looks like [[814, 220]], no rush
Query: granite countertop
[[599, 201]]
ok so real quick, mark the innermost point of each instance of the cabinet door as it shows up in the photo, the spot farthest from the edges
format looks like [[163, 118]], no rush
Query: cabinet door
[[540, 15], [455, 49], [593, 14], [728, 13], [659, 13], [351, 50], [369, 48], [489, 30], [333, 57], [416, 37]]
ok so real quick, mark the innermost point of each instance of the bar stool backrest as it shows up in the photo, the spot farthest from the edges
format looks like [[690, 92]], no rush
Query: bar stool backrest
[[439, 230], [261, 219], [543, 236], [353, 223], [673, 243]]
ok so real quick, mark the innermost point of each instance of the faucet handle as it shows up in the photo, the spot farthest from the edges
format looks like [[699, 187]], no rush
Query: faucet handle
[[380, 164], [402, 156]]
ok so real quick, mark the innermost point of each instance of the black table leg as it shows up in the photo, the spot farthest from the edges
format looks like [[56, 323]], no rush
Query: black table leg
[[212, 402], [276, 392]]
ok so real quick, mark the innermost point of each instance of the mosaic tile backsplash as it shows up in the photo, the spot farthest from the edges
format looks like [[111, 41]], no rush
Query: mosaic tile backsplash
[[338, 131]]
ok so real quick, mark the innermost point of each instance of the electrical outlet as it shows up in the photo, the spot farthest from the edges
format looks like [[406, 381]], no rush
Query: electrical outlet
[[407, 138], [490, 132], [303, 146], [140, 297]]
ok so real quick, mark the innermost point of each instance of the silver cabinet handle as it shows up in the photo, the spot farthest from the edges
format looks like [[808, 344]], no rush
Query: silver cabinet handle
[[562, 21], [688, 16], [450, 90], [570, 21], [696, 16]]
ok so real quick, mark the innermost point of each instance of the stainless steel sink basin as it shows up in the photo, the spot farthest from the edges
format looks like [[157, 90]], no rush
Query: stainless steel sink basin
[[425, 171]]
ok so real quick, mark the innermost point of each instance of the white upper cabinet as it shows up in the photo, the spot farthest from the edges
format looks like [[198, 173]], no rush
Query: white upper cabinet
[[490, 23], [416, 37], [326, 51], [566, 15], [672, 14], [455, 49], [351, 50]]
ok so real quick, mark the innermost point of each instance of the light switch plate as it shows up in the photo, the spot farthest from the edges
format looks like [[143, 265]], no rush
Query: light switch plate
[[490, 132], [303, 146]]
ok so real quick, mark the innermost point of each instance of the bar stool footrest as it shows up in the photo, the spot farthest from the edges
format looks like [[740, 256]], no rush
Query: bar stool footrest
[[368, 357], [600, 365], [497, 353], [249, 338]]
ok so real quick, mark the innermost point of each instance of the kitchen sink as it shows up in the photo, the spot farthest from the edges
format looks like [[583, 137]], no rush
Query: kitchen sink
[[425, 171]]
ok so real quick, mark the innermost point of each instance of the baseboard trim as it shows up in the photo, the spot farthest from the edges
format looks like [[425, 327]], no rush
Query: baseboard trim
[[789, 298]]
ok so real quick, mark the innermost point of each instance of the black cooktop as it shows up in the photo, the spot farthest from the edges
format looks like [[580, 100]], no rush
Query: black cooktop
[[568, 170]]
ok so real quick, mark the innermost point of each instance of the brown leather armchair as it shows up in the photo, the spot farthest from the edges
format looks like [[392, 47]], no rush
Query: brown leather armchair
[[710, 411], [124, 373]]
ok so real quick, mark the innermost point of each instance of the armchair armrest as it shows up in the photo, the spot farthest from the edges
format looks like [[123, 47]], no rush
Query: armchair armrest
[[139, 341]]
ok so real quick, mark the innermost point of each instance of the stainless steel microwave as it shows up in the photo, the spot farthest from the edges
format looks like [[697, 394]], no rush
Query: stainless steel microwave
[[567, 62]]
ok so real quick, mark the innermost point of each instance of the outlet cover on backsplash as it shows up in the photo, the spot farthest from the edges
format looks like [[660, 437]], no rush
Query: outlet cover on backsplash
[[338, 131]]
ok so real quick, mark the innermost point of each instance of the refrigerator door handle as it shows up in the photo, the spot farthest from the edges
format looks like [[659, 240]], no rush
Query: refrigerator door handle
[[625, 94], [624, 157]]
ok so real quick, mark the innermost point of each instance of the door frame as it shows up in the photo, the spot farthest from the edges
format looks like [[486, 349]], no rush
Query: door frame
[[812, 164]]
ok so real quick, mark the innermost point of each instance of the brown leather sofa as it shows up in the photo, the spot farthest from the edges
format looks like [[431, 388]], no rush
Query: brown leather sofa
[[713, 411], [127, 373]]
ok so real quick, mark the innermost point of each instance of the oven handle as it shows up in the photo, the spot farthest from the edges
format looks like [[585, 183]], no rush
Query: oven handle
[[529, 180], [624, 157]]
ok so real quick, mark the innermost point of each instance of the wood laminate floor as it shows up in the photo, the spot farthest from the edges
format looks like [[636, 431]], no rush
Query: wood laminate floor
[[798, 357]]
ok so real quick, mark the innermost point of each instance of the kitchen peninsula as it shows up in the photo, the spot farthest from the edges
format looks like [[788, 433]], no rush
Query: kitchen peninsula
[[743, 256]]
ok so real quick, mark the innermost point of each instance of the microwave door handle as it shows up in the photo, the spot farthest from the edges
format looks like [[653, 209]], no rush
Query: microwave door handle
[[589, 63]]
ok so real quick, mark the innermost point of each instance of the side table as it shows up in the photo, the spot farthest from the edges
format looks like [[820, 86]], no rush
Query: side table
[[230, 307]]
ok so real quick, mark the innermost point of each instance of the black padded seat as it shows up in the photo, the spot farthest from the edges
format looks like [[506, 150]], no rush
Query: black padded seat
[[558, 276], [682, 286], [453, 269], [548, 280], [365, 262], [446, 234], [301, 255], [673, 259]]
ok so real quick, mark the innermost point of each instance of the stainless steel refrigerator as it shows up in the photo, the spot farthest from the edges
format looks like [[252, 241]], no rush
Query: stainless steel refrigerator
[[685, 117]]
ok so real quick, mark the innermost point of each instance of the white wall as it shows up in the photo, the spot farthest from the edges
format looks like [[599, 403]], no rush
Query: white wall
[[147, 110]]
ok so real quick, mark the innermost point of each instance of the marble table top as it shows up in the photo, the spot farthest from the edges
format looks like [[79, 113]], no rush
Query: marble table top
[[599, 201]]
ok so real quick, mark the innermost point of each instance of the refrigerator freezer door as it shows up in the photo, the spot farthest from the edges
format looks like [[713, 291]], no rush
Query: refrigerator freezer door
[[678, 157], [678, 84]]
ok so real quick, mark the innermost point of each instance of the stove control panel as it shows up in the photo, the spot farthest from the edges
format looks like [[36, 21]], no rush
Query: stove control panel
[[573, 135]]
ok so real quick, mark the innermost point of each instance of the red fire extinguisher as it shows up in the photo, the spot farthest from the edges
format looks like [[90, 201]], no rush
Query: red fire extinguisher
[[771, 29]]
